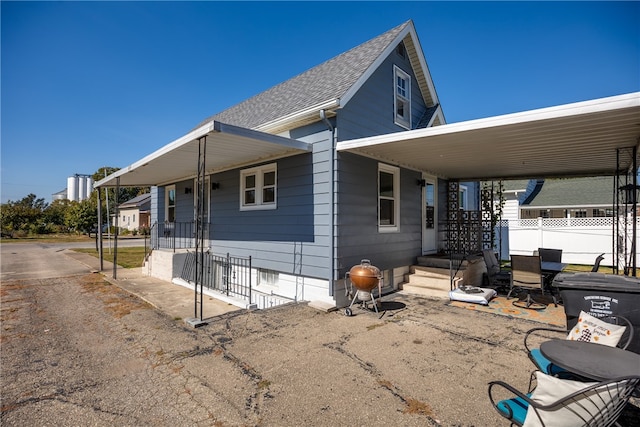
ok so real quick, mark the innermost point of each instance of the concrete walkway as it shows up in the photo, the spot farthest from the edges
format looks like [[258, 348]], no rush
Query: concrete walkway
[[176, 301]]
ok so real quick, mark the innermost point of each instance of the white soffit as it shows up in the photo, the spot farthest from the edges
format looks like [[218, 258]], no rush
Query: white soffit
[[578, 139], [227, 147]]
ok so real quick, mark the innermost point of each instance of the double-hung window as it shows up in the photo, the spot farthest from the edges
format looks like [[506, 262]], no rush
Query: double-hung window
[[402, 98], [388, 198], [258, 187]]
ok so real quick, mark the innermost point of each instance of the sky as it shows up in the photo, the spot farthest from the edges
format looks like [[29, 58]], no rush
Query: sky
[[91, 84]]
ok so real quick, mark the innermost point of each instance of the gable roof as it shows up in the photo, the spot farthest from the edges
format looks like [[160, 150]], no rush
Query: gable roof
[[327, 86], [137, 202], [590, 191]]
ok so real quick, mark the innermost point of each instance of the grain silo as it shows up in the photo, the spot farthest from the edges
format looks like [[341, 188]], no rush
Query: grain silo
[[72, 188]]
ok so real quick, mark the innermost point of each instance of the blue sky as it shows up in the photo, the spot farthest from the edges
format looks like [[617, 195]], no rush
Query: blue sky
[[92, 84]]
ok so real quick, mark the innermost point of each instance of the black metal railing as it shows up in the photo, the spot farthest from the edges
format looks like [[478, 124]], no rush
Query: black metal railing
[[174, 235], [228, 274]]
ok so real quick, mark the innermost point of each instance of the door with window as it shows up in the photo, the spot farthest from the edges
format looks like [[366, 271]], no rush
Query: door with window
[[429, 216]]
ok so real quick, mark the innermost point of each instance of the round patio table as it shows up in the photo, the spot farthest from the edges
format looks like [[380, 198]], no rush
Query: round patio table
[[596, 361]]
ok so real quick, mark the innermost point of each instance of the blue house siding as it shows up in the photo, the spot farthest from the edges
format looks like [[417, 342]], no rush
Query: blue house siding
[[358, 235], [295, 237], [370, 111]]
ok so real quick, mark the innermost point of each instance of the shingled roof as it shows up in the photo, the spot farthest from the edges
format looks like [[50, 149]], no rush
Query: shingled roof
[[326, 86], [591, 191]]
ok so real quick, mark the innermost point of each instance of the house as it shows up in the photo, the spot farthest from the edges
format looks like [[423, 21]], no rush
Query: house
[[588, 197], [349, 160], [134, 214]]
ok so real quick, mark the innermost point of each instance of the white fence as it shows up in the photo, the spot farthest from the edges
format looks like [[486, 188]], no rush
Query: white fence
[[581, 239]]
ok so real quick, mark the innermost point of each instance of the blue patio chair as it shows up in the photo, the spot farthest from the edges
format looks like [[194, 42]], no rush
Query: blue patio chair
[[597, 404], [544, 365]]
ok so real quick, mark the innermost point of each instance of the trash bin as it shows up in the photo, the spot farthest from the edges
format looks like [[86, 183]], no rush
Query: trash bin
[[601, 295]]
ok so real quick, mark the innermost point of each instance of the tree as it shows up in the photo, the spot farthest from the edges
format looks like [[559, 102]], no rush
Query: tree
[[80, 216], [24, 215]]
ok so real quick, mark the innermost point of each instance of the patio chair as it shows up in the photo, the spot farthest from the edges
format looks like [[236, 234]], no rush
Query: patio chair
[[526, 273], [496, 277], [556, 402], [543, 364], [550, 255], [596, 264]]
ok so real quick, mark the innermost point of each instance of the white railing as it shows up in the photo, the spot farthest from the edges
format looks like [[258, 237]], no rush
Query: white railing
[[581, 239]]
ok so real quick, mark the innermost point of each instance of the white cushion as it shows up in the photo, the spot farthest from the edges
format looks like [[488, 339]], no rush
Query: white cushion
[[551, 389], [592, 329]]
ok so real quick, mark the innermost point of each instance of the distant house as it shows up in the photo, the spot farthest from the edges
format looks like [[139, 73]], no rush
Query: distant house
[[135, 213]]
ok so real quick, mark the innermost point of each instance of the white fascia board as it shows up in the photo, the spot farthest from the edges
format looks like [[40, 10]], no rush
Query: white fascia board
[[261, 136], [194, 134], [298, 115], [423, 64], [612, 103]]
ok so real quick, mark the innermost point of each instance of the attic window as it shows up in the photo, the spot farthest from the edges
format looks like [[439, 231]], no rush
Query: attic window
[[401, 51], [402, 98]]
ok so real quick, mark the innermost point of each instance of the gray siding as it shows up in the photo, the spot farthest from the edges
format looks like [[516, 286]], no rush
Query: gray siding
[[358, 235], [370, 111]]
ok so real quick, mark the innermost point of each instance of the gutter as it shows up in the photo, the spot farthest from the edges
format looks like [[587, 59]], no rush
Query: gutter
[[332, 233]]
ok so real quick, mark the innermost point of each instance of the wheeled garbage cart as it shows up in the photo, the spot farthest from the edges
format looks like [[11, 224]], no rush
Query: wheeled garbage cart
[[601, 295]]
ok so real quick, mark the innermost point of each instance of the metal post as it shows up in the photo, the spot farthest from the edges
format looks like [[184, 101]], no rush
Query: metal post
[[99, 231], [115, 233], [634, 206], [199, 238]]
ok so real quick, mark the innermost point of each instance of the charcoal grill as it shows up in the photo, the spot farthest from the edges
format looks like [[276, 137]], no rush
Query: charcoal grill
[[364, 277]]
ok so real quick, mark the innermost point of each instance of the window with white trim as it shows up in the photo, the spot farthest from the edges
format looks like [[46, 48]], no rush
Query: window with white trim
[[258, 187], [402, 98], [170, 203], [388, 198]]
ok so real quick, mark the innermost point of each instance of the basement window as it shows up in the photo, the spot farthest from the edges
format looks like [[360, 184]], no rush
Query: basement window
[[402, 98], [258, 187]]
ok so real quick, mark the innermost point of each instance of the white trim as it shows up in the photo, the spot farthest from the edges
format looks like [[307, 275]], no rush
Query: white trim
[[395, 172], [167, 189], [311, 112], [399, 73], [259, 172]]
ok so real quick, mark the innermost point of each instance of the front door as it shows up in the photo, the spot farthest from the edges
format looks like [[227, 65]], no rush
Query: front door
[[429, 216]]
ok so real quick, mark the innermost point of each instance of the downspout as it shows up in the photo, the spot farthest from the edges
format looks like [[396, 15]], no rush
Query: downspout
[[332, 233]]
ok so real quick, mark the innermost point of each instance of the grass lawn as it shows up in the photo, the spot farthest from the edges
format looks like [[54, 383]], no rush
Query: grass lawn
[[129, 257]]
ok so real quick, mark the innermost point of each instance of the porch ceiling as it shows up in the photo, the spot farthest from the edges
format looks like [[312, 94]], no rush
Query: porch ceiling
[[577, 139], [227, 147]]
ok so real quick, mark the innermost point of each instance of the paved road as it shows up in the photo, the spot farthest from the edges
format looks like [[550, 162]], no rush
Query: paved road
[[79, 351], [46, 260]]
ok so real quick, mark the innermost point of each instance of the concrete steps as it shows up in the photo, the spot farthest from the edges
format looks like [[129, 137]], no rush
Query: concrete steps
[[429, 281], [432, 276]]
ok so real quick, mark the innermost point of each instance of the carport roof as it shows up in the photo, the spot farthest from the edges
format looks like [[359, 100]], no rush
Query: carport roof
[[227, 147], [579, 139]]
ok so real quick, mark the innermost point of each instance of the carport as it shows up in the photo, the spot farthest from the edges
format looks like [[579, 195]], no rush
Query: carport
[[593, 138]]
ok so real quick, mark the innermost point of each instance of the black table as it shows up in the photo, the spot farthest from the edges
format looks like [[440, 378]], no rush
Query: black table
[[595, 361], [552, 267]]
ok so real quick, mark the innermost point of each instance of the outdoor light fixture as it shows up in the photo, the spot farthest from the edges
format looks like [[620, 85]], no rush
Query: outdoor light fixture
[[421, 183], [188, 190], [215, 185]]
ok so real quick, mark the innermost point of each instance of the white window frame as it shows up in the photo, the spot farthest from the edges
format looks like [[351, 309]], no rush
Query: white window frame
[[463, 197], [395, 172], [259, 188], [401, 95], [167, 190]]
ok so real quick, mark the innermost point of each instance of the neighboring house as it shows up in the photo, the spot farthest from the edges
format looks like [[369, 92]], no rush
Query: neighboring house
[[301, 182], [570, 198], [135, 213]]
